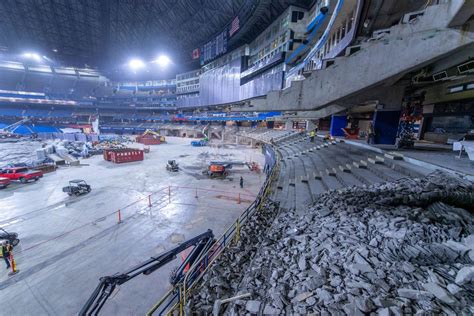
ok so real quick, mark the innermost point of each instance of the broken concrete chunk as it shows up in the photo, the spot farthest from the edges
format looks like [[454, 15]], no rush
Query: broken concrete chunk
[[413, 294], [439, 292], [269, 310], [303, 296], [253, 306], [465, 275], [302, 263], [383, 312], [453, 288]]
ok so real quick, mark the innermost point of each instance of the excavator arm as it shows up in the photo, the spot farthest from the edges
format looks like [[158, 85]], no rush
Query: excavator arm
[[108, 284]]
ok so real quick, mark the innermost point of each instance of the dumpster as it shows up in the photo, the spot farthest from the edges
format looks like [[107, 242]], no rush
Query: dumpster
[[123, 155]]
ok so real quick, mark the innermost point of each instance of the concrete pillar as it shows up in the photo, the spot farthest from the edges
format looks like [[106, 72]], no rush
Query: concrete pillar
[[310, 125], [289, 125], [386, 126], [338, 122]]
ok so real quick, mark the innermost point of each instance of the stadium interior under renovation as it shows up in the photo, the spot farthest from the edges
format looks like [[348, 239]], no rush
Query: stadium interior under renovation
[[230, 157]]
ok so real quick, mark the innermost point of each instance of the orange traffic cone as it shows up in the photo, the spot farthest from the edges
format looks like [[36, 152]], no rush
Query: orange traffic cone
[[13, 265]]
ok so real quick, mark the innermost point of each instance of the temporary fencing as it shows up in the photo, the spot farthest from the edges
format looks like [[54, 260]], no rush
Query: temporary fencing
[[155, 200]]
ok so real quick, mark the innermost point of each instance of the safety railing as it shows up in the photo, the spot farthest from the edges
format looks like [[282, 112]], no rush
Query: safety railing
[[177, 297]]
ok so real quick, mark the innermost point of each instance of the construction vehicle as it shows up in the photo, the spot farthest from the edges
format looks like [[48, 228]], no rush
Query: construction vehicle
[[201, 244], [11, 237], [4, 182], [150, 137], [218, 169], [172, 166], [77, 187]]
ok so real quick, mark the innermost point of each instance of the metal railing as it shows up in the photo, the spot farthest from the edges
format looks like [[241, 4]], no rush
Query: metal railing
[[177, 297]]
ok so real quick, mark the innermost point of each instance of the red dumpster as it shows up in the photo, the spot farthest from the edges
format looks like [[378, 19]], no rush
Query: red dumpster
[[123, 155]]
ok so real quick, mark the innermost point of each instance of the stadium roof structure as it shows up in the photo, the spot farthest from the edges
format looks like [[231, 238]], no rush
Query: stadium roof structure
[[99, 32]]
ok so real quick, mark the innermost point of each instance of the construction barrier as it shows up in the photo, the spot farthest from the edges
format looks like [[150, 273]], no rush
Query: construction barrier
[[13, 264], [175, 299], [160, 198]]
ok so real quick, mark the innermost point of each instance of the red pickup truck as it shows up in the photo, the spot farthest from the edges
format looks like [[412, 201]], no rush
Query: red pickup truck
[[21, 173], [4, 182]]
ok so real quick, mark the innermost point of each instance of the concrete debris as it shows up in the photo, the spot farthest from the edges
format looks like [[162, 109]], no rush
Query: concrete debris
[[439, 292], [396, 248], [223, 277], [253, 306], [465, 275]]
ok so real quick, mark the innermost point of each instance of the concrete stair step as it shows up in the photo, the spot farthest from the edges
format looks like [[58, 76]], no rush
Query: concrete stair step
[[331, 172], [375, 161]]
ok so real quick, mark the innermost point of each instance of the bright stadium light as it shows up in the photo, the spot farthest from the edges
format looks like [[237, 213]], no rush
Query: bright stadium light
[[136, 64], [162, 61], [33, 56]]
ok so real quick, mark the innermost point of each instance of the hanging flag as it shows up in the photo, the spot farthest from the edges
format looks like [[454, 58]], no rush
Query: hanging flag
[[196, 53], [234, 27]]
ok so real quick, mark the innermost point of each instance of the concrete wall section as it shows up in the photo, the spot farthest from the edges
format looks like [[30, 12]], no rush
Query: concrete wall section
[[407, 47]]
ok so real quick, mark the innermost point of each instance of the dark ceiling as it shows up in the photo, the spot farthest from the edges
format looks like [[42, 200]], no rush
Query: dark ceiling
[[105, 33]]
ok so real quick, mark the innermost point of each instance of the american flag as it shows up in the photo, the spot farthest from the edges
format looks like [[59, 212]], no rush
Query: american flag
[[234, 27]]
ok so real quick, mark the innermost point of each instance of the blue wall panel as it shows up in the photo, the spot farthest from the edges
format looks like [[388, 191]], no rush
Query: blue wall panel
[[338, 122], [386, 126]]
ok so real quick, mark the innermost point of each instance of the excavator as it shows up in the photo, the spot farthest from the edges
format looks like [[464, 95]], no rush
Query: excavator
[[107, 284], [150, 132]]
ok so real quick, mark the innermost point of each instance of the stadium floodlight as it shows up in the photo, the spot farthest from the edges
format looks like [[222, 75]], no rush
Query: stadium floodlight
[[162, 61], [136, 64], [32, 56]]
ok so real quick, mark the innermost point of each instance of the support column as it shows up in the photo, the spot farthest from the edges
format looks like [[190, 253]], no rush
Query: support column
[[289, 125], [386, 126], [338, 122]]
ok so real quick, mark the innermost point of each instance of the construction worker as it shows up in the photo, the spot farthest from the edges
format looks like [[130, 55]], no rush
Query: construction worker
[[311, 135], [371, 134], [6, 250], [241, 182]]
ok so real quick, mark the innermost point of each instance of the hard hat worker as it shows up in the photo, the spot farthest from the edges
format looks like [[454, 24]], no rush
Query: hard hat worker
[[6, 250], [312, 134]]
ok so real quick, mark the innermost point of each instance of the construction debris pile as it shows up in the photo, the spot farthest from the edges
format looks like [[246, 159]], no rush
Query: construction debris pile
[[34, 153], [405, 247], [223, 276]]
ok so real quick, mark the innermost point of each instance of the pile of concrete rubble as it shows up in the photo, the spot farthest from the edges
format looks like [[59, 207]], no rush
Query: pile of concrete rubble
[[405, 247], [235, 260]]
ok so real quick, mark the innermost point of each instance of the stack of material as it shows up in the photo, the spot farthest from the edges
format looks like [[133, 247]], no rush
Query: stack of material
[[398, 248]]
